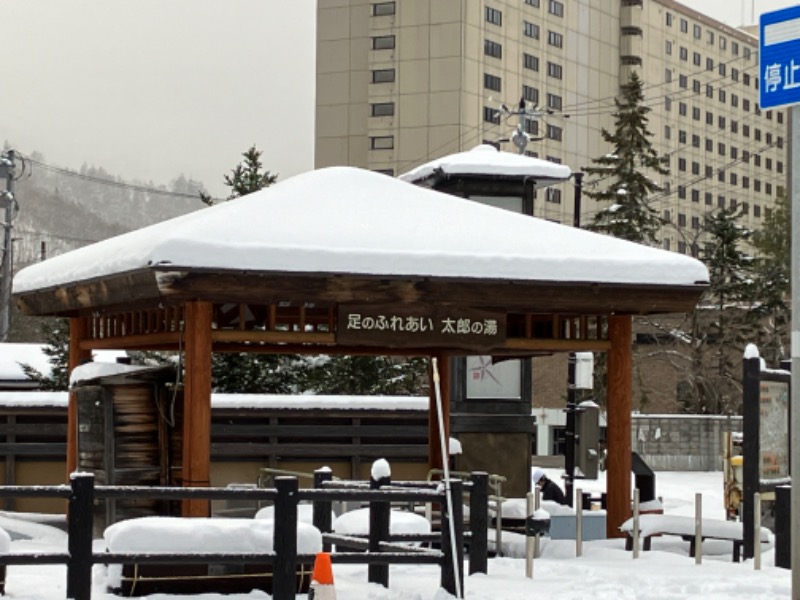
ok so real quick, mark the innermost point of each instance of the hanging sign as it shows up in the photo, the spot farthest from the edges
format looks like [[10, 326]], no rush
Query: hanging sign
[[420, 327]]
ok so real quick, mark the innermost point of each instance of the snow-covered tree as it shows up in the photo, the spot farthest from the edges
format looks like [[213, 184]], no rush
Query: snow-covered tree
[[364, 375], [56, 336], [624, 183], [246, 177]]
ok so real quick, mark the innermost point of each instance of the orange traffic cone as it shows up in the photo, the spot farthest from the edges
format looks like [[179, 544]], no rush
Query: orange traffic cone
[[322, 579]]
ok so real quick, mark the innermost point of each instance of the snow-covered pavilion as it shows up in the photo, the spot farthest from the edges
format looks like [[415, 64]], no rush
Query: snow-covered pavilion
[[342, 260]]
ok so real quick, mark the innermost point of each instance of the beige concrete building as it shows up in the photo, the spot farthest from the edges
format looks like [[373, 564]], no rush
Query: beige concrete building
[[400, 83]]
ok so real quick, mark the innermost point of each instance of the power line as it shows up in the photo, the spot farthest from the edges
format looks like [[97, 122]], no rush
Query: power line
[[111, 183]]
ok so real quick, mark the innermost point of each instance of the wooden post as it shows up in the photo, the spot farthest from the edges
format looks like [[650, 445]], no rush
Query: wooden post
[[435, 459], [619, 404], [379, 531], [284, 568], [479, 523], [79, 541], [321, 516], [78, 330], [197, 405]]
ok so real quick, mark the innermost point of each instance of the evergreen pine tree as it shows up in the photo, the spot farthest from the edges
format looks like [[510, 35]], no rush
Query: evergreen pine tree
[[246, 177], [771, 315], [56, 336], [364, 375], [626, 172], [721, 326]]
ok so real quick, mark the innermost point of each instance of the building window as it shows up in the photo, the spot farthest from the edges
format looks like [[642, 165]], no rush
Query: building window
[[554, 133], [709, 145], [696, 59], [530, 30], [666, 243], [709, 198], [667, 132], [683, 53], [683, 81], [746, 53], [695, 113], [494, 16], [681, 164], [667, 75], [668, 47], [530, 94], [381, 142], [383, 42], [553, 101], [745, 182], [553, 195], [554, 7], [555, 39], [684, 26], [721, 148], [682, 110], [735, 48], [709, 64], [531, 126], [682, 192], [734, 179], [735, 74], [709, 118], [695, 171], [695, 222], [669, 19], [746, 104], [722, 43], [709, 36], [695, 140], [757, 211], [383, 76], [667, 103], [720, 201], [709, 90], [380, 9], [681, 136], [529, 61], [734, 126], [746, 79], [681, 220], [709, 172], [532, 3], [721, 121], [697, 32], [492, 82], [555, 70], [491, 115], [382, 109], [696, 86], [491, 48], [722, 95]]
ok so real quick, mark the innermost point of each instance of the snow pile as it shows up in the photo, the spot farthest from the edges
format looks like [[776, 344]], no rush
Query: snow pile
[[356, 522], [359, 222], [160, 535], [380, 469], [488, 160]]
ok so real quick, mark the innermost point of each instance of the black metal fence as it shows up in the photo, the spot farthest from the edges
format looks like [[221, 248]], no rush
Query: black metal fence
[[383, 548]]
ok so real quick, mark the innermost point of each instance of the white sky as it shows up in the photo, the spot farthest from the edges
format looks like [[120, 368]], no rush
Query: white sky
[[152, 89]]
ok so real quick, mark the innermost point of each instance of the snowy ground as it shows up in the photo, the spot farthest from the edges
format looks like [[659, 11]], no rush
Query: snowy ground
[[605, 571]]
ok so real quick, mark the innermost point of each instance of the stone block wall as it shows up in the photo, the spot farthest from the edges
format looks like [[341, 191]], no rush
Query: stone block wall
[[682, 442]]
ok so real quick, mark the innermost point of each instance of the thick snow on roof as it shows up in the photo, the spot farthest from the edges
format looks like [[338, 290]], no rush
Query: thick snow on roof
[[12, 356], [488, 160], [348, 220]]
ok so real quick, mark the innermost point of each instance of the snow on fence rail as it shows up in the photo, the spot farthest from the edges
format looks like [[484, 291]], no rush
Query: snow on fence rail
[[383, 549]]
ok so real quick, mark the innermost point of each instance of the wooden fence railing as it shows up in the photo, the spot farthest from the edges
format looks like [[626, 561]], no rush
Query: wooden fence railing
[[383, 549]]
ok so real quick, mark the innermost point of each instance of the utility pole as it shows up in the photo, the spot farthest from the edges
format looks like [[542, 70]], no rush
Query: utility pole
[[520, 137], [9, 203]]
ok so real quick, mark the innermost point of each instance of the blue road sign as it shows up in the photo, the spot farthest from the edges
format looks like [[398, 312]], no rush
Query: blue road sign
[[779, 57]]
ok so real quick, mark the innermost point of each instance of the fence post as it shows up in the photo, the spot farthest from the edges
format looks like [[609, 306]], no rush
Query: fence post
[[379, 527], [322, 508], [453, 556], [79, 544], [479, 523], [284, 568]]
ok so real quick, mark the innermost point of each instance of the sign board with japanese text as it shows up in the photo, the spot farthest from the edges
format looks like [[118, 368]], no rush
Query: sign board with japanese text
[[420, 327], [779, 58]]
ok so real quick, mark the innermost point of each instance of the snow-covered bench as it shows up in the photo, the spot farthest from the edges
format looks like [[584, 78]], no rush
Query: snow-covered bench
[[713, 529], [175, 535]]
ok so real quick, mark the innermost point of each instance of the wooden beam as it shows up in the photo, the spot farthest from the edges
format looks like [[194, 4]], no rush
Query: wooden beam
[[142, 340], [78, 330], [272, 337], [619, 404], [196, 467]]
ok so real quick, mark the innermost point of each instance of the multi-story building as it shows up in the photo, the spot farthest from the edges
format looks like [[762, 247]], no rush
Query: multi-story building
[[400, 83]]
